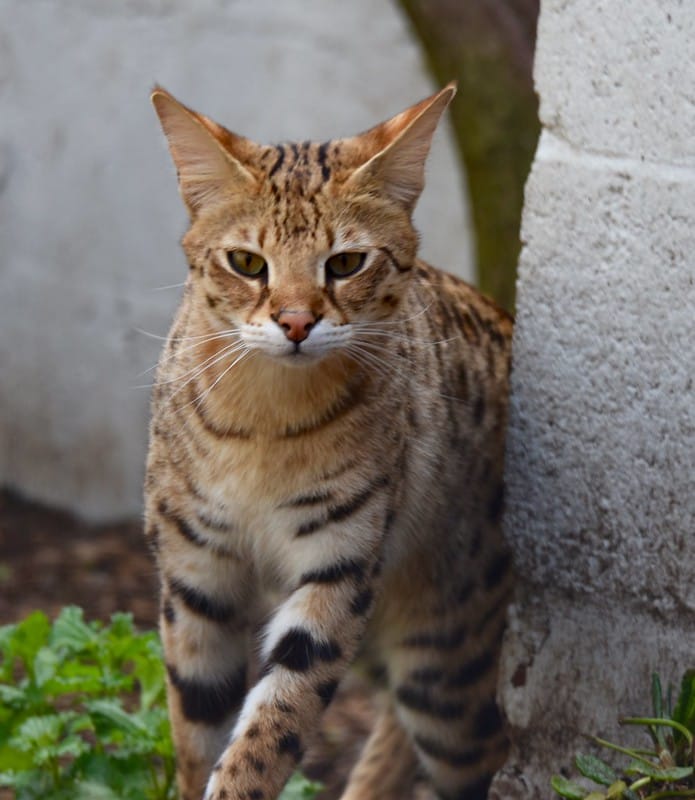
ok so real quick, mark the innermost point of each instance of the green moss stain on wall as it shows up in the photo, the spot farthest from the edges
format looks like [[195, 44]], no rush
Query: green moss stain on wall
[[487, 46]]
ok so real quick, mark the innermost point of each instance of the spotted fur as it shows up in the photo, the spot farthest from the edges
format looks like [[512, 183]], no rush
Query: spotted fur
[[324, 482]]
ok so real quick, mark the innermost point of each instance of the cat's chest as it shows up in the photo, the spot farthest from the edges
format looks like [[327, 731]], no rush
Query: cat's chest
[[257, 488]]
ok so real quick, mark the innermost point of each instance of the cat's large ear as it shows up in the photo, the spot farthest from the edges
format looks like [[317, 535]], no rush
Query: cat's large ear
[[398, 150], [202, 152]]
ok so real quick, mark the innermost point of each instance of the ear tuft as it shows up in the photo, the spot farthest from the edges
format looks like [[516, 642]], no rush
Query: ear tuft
[[400, 147], [206, 170]]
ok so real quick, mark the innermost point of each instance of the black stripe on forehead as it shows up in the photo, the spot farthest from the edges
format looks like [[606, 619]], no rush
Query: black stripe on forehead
[[300, 166], [321, 154]]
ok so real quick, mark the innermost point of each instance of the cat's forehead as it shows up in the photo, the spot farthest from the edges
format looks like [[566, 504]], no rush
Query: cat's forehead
[[303, 168]]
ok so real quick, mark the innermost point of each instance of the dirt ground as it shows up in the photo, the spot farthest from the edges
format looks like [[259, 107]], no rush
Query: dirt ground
[[49, 559]]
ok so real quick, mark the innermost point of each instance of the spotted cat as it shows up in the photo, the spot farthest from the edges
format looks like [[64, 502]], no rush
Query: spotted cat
[[324, 481]]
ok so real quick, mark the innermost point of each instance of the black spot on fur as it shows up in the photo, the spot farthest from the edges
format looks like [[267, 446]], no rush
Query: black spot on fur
[[298, 650], [448, 755], [488, 721], [326, 691], [426, 675], [472, 671], [362, 602], [418, 698], [496, 505], [449, 640], [335, 573], [210, 703], [169, 611], [479, 410], [291, 744], [497, 570], [199, 603], [475, 790], [256, 764]]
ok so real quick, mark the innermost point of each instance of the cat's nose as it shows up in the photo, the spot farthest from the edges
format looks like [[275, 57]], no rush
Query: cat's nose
[[296, 324]]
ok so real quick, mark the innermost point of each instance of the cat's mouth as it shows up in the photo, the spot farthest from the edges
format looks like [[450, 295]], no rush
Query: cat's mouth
[[296, 354]]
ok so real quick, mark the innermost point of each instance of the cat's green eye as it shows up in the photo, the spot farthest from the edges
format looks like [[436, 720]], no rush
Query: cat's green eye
[[249, 264], [341, 265]]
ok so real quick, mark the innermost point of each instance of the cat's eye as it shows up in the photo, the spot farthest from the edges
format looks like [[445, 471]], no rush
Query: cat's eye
[[341, 265], [245, 263]]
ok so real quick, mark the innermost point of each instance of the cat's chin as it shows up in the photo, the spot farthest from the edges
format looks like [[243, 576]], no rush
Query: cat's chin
[[297, 359]]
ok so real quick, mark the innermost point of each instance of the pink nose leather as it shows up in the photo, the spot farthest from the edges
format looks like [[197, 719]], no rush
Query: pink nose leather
[[296, 324]]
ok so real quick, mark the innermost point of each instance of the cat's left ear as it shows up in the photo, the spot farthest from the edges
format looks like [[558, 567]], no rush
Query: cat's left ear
[[208, 157], [398, 150]]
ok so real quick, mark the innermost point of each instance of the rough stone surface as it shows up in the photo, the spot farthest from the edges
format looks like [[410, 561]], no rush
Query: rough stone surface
[[616, 78], [601, 447], [89, 213], [602, 496], [571, 668]]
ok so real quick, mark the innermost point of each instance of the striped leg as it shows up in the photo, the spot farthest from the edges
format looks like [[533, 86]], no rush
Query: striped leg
[[204, 627], [386, 768], [444, 681], [307, 647]]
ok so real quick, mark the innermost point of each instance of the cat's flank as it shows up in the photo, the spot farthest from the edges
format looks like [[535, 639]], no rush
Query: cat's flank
[[324, 483]]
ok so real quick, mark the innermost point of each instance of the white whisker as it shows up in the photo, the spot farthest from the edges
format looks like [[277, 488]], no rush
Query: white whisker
[[168, 286], [201, 397], [184, 338], [178, 352], [363, 329], [199, 369]]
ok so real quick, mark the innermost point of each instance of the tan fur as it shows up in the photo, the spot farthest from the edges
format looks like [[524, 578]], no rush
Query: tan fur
[[325, 470]]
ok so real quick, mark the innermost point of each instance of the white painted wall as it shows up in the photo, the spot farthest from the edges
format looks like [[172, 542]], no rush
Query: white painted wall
[[601, 456], [89, 212]]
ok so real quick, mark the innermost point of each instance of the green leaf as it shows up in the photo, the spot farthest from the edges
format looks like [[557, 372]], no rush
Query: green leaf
[[616, 790], [12, 697], [93, 790], [113, 712], [38, 731], [658, 772], [8, 779], [45, 665], [22, 641], [595, 769], [566, 788], [71, 632], [657, 734], [684, 712], [300, 788]]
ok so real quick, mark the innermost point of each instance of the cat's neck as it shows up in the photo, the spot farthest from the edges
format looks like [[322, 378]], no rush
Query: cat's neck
[[264, 395]]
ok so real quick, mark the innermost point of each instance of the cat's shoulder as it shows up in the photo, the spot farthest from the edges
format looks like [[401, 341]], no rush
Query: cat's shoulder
[[448, 292]]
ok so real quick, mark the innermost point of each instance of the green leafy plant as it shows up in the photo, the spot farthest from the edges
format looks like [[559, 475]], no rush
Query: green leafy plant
[[83, 712], [663, 770]]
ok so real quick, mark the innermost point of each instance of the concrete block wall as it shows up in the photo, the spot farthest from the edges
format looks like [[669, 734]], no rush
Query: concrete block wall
[[89, 212], [601, 448]]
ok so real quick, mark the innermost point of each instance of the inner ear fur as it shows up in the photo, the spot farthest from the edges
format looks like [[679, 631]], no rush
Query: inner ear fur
[[203, 152], [397, 150]]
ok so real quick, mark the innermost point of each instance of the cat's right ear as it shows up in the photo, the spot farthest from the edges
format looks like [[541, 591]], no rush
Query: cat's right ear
[[207, 172]]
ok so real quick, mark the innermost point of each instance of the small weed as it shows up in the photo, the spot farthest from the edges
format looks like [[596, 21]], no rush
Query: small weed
[[663, 770], [83, 712]]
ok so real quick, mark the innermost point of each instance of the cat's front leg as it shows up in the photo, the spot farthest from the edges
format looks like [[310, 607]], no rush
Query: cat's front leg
[[206, 592], [307, 646]]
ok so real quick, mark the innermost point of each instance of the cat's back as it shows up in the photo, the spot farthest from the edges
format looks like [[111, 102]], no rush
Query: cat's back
[[460, 342]]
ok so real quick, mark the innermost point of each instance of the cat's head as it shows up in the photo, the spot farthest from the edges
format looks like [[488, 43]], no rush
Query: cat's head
[[298, 247]]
